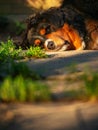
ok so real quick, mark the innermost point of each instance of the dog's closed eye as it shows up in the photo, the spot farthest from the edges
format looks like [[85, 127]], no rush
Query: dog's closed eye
[[42, 31], [45, 30]]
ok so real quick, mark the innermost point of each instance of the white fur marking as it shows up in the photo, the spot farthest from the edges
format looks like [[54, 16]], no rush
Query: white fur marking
[[83, 46]]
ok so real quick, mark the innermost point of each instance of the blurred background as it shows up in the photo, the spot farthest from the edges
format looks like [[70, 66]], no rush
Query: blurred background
[[23, 6], [12, 16], [14, 7]]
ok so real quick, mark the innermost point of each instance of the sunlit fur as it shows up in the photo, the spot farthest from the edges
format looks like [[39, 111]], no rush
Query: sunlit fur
[[92, 29], [44, 4]]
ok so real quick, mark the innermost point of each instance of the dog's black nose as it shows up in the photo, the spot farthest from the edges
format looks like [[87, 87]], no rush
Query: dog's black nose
[[66, 42], [51, 45]]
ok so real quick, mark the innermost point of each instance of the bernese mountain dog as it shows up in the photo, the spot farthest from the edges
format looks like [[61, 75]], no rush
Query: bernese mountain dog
[[61, 29]]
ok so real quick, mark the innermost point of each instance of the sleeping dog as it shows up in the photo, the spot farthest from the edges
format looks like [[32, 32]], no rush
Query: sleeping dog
[[61, 29]]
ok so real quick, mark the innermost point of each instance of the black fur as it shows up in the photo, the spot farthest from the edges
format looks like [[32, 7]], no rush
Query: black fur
[[88, 7]]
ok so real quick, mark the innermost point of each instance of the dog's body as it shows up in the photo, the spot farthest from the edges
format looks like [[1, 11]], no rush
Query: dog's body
[[92, 34], [61, 29]]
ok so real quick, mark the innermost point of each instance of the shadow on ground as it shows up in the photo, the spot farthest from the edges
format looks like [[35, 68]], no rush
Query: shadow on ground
[[59, 64]]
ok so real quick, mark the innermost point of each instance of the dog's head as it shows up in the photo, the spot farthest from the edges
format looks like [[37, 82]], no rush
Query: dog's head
[[56, 29]]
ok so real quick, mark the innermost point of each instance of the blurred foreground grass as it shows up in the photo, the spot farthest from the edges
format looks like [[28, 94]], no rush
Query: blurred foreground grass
[[23, 90]]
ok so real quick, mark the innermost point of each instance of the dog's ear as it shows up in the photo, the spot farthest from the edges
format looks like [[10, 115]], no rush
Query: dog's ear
[[30, 17], [33, 19]]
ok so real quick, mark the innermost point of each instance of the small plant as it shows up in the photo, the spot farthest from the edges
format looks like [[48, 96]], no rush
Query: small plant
[[91, 85], [22, 90], [36, 52], [8, 51]]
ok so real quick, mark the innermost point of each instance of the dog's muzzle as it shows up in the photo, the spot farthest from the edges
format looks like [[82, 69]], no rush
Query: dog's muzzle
[[50, 45]]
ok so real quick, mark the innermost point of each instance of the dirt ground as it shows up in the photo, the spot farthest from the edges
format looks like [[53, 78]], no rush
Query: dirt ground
[[75, 116]]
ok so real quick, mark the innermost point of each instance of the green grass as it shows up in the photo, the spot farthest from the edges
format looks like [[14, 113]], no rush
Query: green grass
[[8, 51], [23, 90], [36, 52]]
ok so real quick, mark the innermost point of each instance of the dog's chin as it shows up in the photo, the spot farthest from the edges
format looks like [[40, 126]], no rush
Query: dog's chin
[[59, 48], [64, 48]]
